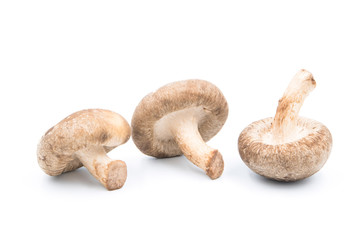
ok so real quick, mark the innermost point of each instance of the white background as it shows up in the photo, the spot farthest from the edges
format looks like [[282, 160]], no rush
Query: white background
[[58, 57]]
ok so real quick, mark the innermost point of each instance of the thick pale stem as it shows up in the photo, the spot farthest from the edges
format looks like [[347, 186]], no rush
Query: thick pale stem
[[111, 173], [186, 134], [285, 120]]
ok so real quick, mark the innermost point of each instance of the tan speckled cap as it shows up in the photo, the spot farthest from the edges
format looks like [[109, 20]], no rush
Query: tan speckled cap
[[290, 161], [180, 117], [287, 147], [84, 138]]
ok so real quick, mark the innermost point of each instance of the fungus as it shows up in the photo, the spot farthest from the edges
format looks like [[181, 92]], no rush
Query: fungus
[[178, 119], [287, 147], [83, 139]]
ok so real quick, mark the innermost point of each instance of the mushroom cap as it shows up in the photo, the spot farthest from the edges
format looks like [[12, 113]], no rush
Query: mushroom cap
[[93, 127], [295, 160], [192, 95]]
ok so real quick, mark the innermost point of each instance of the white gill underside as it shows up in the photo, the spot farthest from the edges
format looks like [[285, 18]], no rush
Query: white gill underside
[[298, 132], [165, 127]]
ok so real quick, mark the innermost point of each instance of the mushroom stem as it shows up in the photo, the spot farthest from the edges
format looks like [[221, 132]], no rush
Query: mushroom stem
[[189, 140], [111, 173], [286, 117]]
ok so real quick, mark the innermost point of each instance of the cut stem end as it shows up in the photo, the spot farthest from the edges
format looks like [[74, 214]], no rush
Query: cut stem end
[[185, 133], [111, 173], [215, 166], [116, 175]]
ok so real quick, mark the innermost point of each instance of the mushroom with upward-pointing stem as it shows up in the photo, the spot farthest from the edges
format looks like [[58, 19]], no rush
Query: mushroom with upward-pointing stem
[[178, 119], [83, 139], [288, 147]]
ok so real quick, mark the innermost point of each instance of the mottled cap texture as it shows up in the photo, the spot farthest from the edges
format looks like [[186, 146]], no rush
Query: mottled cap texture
[[174, 97], [93, 127], [289, 161]]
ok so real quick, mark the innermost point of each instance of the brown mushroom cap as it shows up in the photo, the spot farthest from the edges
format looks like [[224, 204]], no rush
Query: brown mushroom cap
[[287, 147], [197, 95], [291, 161], [94, 127]]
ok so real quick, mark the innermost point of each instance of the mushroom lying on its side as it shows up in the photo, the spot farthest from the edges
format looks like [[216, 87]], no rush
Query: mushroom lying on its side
[[288, 147], [83, 139], [178, 119]]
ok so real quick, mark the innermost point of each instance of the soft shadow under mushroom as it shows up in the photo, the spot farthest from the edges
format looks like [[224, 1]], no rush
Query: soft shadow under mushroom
[[79, 177], [176, 163], [281, 184]]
